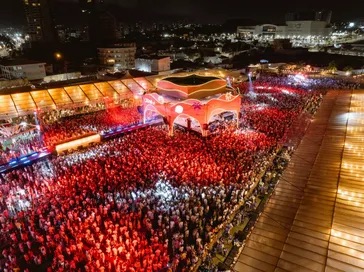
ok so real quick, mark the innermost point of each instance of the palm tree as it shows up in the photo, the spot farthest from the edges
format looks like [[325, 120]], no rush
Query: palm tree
[[332, 67], [348, 70]]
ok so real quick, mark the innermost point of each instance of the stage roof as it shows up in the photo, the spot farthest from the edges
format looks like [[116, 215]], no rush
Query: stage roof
[[16, 104], [21, 102], [190, 80], [191, 86]]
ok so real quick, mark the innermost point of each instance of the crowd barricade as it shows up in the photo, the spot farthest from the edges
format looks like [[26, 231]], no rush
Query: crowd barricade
[[233, 213], [73, 144]]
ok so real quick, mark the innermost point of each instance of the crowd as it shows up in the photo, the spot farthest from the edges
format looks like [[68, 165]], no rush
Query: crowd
[[74, 126], [62, 125], [18, 145], [142, 202], [306, 82], [56, 129], [170, 193]]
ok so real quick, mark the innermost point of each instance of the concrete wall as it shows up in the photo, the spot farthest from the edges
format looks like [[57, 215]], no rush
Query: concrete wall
[[62, 77], [153, 65], [28, 71]]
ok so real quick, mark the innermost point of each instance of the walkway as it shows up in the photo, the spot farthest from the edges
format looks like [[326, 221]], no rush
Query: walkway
[[24, 161], [117, 132], [36, 156], [314, 219]]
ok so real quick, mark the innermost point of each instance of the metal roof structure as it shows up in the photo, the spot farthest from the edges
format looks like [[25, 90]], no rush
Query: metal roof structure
[[20, 103], [314, 219], [17, 104]]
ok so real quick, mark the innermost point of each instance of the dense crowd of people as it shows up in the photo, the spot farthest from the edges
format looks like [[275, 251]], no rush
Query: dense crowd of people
[[56, 129], [306, 82], [24, 144], [142, 202], [63, 125], [74, 126], [166, 194]]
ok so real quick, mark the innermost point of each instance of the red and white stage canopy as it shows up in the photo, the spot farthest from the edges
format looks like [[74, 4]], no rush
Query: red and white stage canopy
[[202, 111], [191, 86]]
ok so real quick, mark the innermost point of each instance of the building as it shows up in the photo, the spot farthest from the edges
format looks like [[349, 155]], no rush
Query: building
[[40, 26], [103, 27], [120, 56], [289, 30], [246, 32], [26, 69], [323, 15], [311, 15], [192, 101], [65, 34], [124, 91], [89, 6], [300, 33], [352, 49], [153, 64], [268, 31], [215, 59], [306, 28], [102, 23], [260, 32]]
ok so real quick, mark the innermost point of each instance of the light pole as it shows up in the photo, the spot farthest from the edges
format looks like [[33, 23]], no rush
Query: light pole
[[58, 56]]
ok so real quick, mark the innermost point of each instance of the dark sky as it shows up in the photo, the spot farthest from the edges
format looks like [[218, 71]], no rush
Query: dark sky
[[214, 11]]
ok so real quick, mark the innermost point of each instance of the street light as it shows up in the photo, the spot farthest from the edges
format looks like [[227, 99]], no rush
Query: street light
[[58, 63], [58, 55]]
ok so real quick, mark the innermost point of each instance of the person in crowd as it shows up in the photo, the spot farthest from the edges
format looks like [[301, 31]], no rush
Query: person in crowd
[[143, 202]]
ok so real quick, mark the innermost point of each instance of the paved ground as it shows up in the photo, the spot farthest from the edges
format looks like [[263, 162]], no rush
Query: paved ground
[[314, 219]]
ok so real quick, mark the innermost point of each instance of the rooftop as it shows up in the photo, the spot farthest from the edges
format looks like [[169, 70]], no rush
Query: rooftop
[[152, 57], [13, 62], [190, 80], [313, 220], [115, 46]]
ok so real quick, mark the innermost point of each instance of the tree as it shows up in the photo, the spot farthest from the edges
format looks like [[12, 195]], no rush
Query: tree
[[332, 67], [348, 70], [7, 42]]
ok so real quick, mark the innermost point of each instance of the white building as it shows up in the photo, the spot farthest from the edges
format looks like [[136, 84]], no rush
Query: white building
[[299, 32], [245, 32], [307, 28], [153, 64], [26, 69], [260, 32], [213, 59], [119, 56]]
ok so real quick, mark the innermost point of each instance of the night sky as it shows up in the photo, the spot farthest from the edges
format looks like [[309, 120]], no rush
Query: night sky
[[204, 11]]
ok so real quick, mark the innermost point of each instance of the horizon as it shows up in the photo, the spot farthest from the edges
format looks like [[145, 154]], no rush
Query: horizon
[[163, 11]]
